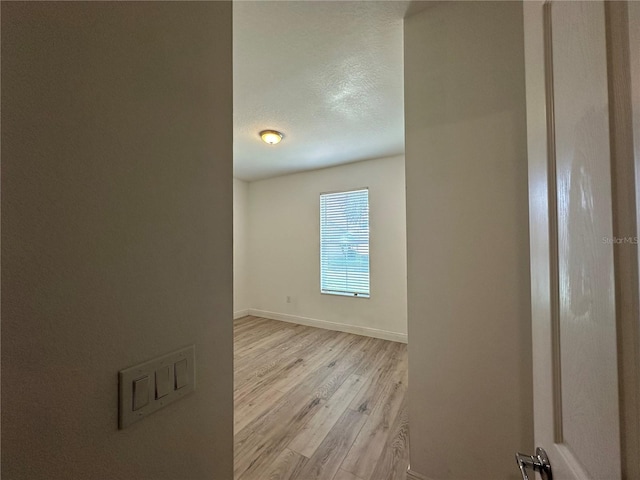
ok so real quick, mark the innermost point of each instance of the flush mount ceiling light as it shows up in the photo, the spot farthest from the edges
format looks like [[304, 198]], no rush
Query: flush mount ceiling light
[[271, 136]]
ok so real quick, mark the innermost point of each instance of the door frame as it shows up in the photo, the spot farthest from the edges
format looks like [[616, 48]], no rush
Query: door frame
[[623, 58]]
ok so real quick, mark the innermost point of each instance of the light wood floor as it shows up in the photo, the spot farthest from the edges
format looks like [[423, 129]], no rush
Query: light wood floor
[[317, 404]]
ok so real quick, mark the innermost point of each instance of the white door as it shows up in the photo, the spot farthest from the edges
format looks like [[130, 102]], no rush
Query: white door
[[573, 221]]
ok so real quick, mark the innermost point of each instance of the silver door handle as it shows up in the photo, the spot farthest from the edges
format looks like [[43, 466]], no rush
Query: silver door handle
[[539, 463]]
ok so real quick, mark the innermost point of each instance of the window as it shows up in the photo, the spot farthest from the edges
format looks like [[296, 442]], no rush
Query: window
[[344, 243]]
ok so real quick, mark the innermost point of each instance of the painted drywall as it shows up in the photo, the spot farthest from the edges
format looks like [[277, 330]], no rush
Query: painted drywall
[[316, 70], [285, 258], [241, 299], [470, 378], [116, 234]]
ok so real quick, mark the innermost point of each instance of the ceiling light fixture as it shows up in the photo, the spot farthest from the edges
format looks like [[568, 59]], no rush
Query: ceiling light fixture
[[271, 136]]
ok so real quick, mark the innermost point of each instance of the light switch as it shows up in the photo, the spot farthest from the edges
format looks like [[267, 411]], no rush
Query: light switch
[[164, 382], [182, 378], [140, 393], [149, 386]]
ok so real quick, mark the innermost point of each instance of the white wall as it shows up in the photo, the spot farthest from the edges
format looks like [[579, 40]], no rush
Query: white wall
[[241, 298], [284, 252], [470, 379], [116, 234]]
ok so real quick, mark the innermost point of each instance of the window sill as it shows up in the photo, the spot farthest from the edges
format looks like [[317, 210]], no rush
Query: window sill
[[352, 295]]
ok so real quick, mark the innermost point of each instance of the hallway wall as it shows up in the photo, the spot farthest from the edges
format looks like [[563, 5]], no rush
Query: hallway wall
[[116, 235], [470, 378]]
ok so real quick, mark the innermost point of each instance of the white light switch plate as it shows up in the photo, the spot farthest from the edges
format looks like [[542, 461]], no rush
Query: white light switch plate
[[126, 414]]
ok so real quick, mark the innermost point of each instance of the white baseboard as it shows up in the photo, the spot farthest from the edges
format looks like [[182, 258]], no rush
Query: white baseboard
[[240, 314], [411, 475], [340, 327]]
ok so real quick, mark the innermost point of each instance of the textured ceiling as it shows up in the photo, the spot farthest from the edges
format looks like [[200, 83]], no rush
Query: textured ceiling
[[328, 75]]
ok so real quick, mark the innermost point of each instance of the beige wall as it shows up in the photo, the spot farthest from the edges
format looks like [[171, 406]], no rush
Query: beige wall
[[467, 233], [284, 254], [116, 234], [241, 298]]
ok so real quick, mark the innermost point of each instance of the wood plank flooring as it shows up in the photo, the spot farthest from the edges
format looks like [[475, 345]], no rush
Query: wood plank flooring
[[314, 404]]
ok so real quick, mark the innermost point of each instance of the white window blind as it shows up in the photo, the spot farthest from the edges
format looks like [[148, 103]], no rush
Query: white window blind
[[344, 243]]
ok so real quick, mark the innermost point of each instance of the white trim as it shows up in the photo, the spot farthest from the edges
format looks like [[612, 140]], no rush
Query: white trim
[[340, 327], [348, 190], [240, 314], [411, 475]]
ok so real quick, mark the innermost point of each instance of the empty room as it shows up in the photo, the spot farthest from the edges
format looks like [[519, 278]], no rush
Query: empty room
[[316, 240], [319, 241]]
